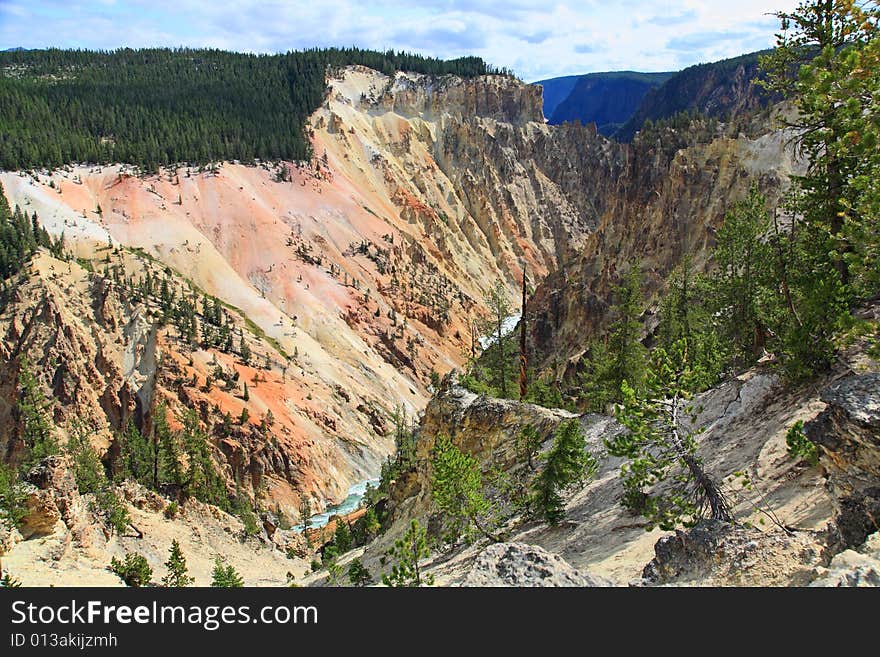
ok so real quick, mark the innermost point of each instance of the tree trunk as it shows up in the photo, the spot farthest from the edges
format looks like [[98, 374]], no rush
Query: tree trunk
[[707, 486], [523, 361], [485, 532], [502, 357]]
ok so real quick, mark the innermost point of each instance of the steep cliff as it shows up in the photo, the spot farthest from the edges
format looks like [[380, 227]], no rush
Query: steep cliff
[[659, 199], [371, 262]]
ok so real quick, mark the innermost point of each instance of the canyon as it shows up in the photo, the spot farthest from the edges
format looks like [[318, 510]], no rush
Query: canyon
[[358, 280]]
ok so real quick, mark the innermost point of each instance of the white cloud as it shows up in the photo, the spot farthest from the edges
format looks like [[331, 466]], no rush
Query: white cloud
[[537, 39]]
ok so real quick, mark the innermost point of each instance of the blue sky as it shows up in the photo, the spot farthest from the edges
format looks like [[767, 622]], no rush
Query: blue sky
[[536, 39]]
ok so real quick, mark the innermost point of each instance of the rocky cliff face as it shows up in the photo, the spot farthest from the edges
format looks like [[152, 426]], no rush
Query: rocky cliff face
[[490, 97], [848, 435], [652, 202], [104, 356]]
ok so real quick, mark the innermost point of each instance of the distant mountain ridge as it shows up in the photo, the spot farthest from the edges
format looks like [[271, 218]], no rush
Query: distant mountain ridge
[[621, 102], [557, 90], [722, 89], [607, 99]]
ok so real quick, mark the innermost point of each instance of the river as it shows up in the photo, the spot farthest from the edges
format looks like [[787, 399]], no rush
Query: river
[[507, 327], [351, 502]]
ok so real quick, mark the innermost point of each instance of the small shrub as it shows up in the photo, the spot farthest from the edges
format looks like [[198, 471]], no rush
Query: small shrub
[[133, 570], [330, 554], [225, 576], [358, 575], [171, 510], [12, 498], [799, 446], [108, 505], [9, 582]]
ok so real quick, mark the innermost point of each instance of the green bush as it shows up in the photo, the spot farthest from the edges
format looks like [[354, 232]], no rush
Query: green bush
[[225, 576], [108, 505], [358, 575], [799, 446], [330, 554], [9, 582], [12, 497], [133, 570]]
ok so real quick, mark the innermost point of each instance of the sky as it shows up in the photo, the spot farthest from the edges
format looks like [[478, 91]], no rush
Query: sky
[[537, 40]]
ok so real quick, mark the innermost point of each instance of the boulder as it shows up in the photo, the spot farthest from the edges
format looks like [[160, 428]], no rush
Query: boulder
[[54, 494], [715, 553], [848, 435], [41, 516], [521, 565], [853, 568]]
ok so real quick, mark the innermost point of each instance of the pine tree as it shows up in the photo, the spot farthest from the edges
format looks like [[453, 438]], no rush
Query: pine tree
[[663, 479], [137, 455], [826, 44], [499, 312], [88, 471], [457, 489], [741, 282], [178, 575], [566, 465], [407, 552], [166, 466], [624, 357], [35, 426], [370, 524], [245, 351], [225, 576], [686, 314], [342, 536], [12, 497], [628, 355], [515, 484], [358, 574], [111, 509], [201, 479]]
